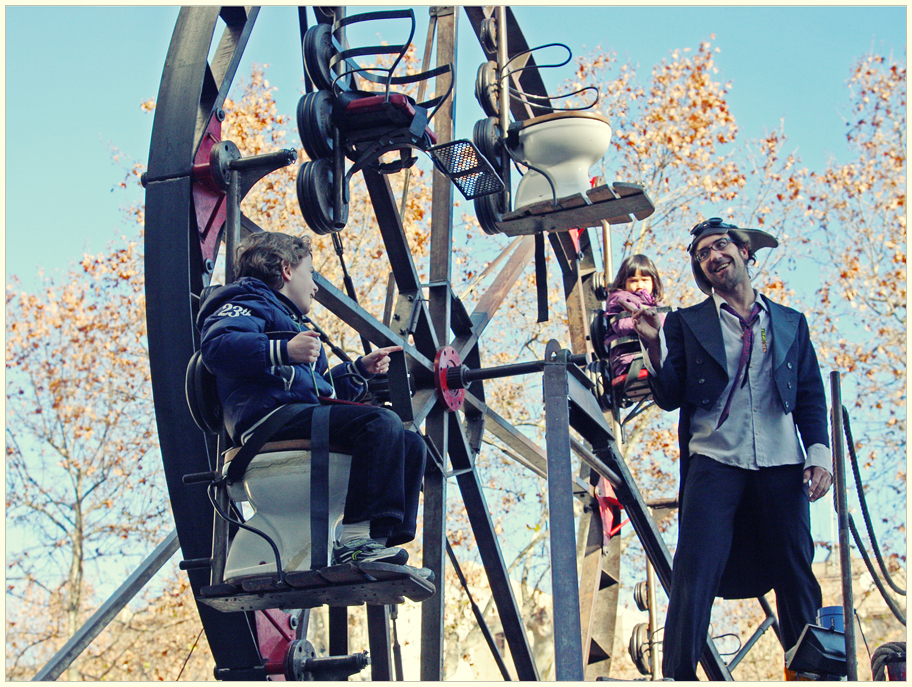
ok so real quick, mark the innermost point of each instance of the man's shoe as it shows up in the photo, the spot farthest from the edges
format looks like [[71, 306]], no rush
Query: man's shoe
[[367, 550]]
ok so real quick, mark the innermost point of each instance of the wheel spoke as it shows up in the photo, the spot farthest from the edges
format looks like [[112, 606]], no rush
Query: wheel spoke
[[494, 297]]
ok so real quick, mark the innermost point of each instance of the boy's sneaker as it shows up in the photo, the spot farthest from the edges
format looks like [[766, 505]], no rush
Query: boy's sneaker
[[367, 550], [425, 574]]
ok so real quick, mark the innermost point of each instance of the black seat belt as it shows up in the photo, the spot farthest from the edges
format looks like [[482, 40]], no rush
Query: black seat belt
[[319, 488]]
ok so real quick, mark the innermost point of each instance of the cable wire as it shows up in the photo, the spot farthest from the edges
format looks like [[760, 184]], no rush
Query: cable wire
[[867, 561], [864, 506], [192, 647]]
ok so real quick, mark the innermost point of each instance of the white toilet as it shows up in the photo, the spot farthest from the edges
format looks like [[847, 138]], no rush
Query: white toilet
[[276, 485], [563, 146]]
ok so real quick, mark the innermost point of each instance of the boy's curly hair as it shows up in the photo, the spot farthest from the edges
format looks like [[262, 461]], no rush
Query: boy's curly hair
[[262, 256]]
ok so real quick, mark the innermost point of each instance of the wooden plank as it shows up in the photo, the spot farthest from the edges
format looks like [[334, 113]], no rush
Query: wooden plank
[[615, 210], [305, 579], [574, 201], [344, 574], [600, 194], [385, 592]]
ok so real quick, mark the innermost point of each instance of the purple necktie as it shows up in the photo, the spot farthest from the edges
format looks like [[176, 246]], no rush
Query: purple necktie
[[747, 345]]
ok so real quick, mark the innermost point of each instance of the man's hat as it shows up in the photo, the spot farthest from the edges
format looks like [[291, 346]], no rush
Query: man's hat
[[754, 239]]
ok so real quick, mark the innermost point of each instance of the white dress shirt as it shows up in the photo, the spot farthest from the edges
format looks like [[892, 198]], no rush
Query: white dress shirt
[[757, 433]]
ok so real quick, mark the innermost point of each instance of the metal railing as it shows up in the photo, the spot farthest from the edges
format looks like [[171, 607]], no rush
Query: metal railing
[[109, 610]]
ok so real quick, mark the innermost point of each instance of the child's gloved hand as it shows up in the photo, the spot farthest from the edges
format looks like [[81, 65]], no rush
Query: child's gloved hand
[[377, 361]]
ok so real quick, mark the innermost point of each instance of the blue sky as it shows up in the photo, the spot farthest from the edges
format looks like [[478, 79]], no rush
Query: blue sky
[[75, 77]]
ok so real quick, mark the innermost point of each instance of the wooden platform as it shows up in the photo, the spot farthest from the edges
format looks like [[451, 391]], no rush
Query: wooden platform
[[377, 584], [618, 204]]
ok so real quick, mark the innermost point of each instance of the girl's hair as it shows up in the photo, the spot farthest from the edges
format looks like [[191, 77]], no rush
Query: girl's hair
[[628, 269], [262, 256]]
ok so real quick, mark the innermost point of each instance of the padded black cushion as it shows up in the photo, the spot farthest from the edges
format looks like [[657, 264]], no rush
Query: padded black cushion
[[202, 396]]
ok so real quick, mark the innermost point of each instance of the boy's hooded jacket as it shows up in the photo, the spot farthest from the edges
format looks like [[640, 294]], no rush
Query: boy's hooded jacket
[[246, 327]]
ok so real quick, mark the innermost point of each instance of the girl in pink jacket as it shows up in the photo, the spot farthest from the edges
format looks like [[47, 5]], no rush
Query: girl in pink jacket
[[639, 286]]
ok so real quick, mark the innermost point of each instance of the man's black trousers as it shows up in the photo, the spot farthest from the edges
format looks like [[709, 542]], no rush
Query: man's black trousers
[[781, 507], [387, 468]]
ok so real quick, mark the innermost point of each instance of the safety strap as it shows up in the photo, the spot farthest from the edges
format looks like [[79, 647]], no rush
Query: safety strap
[[541, 277], [319, 488], [262, 434], [633, 373]]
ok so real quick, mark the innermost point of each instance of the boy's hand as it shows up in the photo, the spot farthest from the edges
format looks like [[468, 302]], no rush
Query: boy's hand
[[377, 362], [304, 347]]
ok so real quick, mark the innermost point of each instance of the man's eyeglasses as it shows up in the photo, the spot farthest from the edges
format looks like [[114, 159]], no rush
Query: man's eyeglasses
[[718, 245]]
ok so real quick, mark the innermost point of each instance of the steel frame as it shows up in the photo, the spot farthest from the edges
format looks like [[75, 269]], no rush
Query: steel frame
[[568, 397], [569, 402], [180, 254]]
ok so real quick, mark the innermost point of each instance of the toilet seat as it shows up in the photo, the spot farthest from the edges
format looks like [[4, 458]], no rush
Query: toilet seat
[[559, 148], [276, 484]]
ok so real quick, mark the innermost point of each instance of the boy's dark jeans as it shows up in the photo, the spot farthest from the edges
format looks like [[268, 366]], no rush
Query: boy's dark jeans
[[387, 468]]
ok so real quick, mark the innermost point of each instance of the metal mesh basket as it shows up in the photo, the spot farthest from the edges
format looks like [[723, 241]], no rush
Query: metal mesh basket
[[462, 163]]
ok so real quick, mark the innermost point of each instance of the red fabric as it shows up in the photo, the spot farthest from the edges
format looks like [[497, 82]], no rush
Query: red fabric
[[374, 102], [609, 509]]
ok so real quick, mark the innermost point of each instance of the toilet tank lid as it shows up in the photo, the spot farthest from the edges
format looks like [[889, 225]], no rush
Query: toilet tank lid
[[565, 114]]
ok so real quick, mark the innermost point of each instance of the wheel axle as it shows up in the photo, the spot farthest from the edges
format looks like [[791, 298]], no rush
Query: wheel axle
[[452, 378]]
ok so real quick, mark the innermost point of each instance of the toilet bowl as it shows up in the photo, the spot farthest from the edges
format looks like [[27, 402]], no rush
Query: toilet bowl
[[276, 485], [560, 146]]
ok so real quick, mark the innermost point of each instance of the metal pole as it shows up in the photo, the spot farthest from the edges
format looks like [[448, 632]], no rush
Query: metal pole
[[232, 222], [378, 635], [842, 510], [609, 260], [108, 610], [653, 645], [437, 425], [503, 82], [568, 646]]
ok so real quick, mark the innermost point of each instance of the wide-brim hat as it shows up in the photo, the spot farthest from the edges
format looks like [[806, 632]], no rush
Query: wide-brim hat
[[754, 239]]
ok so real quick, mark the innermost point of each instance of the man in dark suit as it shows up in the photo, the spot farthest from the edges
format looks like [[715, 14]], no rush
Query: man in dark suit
[[743, 372]]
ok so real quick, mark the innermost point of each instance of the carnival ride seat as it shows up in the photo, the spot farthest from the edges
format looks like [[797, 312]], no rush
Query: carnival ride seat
[[623, 377], [273, 560], [556, 146], [344, 118]]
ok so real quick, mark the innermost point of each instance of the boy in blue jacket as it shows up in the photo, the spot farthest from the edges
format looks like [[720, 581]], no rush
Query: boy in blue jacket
[[257, 374]]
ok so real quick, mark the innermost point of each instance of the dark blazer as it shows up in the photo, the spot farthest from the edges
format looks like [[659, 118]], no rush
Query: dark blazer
[[694, 376]]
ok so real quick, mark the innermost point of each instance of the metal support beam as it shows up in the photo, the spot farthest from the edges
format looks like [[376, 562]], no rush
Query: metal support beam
[[108, 610], [378, 636], [439, 309], [842, 513], [338, 630], [568, 648], [433, 551], [483, 527]]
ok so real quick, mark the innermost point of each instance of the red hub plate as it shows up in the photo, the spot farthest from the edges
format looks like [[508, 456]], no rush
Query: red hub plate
[[452, 398]]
